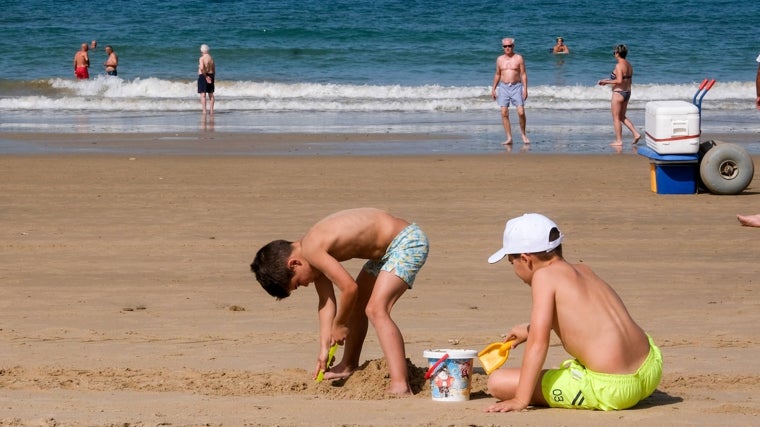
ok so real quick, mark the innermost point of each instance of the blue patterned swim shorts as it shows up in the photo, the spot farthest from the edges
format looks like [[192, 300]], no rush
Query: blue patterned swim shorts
[[404, 257], [510, 94]]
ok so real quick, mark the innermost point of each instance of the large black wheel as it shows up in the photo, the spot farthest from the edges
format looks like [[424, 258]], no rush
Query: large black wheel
[[726, 168]]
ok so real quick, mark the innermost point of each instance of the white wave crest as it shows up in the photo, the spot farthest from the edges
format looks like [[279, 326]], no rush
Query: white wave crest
[[154, 94]]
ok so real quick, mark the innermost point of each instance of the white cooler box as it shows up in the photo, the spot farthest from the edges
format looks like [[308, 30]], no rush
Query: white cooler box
[[672, 127]]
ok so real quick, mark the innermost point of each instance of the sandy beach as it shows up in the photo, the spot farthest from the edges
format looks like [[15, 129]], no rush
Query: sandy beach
[[127, 299]]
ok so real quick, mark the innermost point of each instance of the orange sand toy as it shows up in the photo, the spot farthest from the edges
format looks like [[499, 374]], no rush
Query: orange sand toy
[[493, 356]]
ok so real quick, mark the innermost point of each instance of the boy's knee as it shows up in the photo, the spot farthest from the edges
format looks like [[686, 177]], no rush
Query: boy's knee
[[375, 311], [370, 310], [501, 384], [494, 386]]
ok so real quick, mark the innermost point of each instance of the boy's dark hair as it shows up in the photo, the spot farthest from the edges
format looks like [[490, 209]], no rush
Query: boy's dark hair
[[271, 269]]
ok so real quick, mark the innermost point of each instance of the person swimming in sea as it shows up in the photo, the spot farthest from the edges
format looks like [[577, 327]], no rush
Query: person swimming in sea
[[560, 47]]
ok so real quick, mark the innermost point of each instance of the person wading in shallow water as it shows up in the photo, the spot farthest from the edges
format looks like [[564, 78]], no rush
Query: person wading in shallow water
[[510, 86], [82, 63], [206, 78], [621, 80]]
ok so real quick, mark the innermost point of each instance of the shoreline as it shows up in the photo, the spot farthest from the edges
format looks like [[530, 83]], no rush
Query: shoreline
[[348, 133], [221, 143]]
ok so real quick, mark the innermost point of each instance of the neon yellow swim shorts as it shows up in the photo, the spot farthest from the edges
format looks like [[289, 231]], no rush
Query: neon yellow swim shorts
[[573, 386]]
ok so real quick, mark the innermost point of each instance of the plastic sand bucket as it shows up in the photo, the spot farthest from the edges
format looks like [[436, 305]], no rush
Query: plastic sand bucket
[[450, 373]]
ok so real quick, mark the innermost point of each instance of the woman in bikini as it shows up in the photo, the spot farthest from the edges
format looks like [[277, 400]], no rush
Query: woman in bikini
[[621, 79]]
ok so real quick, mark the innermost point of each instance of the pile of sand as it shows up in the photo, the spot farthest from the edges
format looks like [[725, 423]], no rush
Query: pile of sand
[[368, 382]]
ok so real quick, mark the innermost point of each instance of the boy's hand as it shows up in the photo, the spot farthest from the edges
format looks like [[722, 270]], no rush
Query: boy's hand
[[507, 406], [320, 367], [519, 334], [339, 334], [322, 361]]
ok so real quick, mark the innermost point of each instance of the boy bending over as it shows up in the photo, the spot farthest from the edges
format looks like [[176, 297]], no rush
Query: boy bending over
[[395, 250], [615, 363]]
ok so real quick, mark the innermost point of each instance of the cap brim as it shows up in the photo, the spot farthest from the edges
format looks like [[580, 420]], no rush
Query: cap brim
[[498, 256]]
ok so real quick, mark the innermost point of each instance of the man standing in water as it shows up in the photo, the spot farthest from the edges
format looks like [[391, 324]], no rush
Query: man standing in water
[[82, 63], [206, 72], [112, 61], [510, 86]]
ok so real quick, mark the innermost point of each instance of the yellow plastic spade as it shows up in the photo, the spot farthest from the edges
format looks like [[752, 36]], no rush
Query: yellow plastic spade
[[493, 356], [330, 356]]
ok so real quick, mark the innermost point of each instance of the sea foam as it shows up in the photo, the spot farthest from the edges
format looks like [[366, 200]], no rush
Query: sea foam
[[154, 94]]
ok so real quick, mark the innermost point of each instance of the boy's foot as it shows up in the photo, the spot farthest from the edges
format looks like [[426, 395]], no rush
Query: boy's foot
[[616, 143], [403, 391], [525, 139], [636, 138], [338, 373], [507, 142]]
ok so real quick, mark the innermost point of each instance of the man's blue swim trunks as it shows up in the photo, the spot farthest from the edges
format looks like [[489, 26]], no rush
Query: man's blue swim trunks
[[510, 93], [404, 257]]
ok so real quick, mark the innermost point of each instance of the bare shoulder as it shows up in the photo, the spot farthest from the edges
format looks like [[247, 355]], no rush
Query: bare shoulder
[[583, 268], [562, 275], [356, 213], [353, 222], [355, 233], [552, 275], [582, 273]]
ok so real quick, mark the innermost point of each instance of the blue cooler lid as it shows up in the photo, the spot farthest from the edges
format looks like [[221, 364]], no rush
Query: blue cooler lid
[[648, 152]]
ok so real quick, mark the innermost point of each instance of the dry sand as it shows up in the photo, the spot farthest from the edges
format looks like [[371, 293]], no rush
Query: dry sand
[[126, 298]]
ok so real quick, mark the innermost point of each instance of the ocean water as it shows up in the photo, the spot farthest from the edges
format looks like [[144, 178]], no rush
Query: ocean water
[[371, 66]]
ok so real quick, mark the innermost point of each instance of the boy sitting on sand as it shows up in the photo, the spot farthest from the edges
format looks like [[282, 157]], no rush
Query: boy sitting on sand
[[616, 364], [396, 251]]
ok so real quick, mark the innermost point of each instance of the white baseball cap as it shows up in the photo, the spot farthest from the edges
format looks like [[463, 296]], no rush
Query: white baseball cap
[[527, 234]]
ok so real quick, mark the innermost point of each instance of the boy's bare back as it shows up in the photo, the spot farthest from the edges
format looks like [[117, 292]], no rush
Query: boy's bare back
[[362, 233], [591, 319]]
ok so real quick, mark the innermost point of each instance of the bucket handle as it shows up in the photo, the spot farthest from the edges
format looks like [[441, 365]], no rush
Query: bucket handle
[[433, 368]]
